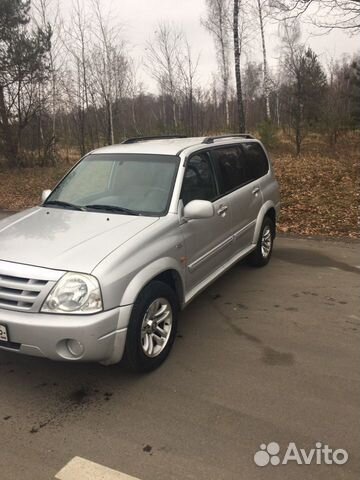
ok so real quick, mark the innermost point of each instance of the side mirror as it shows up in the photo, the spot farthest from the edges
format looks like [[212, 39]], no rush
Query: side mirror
[[44, 196], [197, 209]]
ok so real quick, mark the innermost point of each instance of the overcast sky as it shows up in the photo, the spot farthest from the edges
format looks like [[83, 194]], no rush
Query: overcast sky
[[140, 17]]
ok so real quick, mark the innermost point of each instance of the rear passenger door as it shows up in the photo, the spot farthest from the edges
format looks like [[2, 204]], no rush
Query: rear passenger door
[[237, 180]]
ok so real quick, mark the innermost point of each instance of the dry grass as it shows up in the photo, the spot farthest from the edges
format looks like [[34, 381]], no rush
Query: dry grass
[[320, 191]]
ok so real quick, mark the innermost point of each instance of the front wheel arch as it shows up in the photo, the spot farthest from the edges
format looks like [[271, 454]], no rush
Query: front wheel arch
[[165, 270], [135, 356]]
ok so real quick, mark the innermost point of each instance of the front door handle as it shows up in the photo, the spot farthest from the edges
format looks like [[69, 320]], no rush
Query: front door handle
[[256, 191], [222, 210]]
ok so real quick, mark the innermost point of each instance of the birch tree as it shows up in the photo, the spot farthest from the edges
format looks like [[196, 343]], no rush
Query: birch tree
[[47, 13], [261, 6], [237, 57], [218, 23]]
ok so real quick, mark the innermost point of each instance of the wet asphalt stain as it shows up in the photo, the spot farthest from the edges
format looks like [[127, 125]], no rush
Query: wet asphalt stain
[[353, 322], [309, 258], [241, 305], [216, 296], [80, 396], [330, 301], [239, 331], [270, 356], [273, 357], [107, 396], [147, 449], [77, 400]]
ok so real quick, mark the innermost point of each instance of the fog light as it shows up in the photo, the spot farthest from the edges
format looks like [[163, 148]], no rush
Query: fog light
[[75, 348]]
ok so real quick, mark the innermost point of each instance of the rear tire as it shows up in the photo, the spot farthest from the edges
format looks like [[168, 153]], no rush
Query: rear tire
[[152, 327], [262, 253]]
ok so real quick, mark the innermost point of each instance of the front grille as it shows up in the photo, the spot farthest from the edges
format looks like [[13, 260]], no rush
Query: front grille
[[19, 293]]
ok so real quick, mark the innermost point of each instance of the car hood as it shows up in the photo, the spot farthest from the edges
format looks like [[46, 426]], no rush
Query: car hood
[[66, 239]]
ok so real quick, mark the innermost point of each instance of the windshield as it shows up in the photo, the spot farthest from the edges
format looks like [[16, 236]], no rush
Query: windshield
[[121, 183]]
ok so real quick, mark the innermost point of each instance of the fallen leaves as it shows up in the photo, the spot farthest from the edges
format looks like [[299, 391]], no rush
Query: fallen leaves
[[320, 192]]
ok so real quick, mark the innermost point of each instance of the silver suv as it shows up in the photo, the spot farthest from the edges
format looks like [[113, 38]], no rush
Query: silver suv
[[127, 238]]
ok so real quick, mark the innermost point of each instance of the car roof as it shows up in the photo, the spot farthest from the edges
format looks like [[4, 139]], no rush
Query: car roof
[[168, 146]]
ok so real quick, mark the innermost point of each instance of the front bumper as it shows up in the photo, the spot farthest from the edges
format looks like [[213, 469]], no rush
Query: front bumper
[[102, 335]]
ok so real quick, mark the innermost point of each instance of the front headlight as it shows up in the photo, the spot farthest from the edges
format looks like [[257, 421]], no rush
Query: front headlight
[[75, 293]]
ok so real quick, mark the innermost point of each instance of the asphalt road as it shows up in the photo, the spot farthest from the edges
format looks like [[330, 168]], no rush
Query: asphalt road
[[269, 355]]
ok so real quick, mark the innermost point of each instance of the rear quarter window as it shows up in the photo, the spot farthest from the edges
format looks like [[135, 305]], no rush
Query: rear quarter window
[[256, 160]]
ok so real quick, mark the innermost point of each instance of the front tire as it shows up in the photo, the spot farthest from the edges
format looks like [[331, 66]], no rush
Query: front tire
[[152, 328], [262, 253]]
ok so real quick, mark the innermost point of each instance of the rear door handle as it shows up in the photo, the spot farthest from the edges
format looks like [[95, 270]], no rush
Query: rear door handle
[[256, 190], [222, 210]]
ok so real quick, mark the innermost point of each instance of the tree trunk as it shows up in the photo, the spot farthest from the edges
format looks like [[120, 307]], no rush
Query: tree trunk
[[265, 66], [11, 147], [239, 93], [191, 111]]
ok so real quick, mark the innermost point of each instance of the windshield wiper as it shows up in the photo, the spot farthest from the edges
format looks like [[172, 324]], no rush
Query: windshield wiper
[[112, 208], [58, 203]]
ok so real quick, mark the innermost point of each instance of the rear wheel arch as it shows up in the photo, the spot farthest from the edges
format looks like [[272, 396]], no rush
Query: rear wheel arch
[[271, 213], [267, 210]]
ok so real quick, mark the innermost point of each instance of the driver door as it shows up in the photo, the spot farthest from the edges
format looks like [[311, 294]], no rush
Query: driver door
[[207, 241]]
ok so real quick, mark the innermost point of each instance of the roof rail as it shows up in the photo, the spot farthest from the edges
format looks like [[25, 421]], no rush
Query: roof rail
[[158, 137], [219, 137]]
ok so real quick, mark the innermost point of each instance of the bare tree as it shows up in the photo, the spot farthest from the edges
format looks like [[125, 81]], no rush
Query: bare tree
[[107, 54], [77, 42], [218, 23], [327, 14], [305, 87], [187, 66], [162, 53]]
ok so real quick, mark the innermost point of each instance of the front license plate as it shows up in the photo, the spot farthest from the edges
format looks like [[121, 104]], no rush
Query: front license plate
[[3, 334]]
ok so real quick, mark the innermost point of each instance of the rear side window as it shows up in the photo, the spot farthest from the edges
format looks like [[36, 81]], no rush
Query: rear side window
[[256, 160], [230, 163]]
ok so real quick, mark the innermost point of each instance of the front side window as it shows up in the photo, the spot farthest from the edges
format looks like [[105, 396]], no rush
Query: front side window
[[140, 183], [230, 163], [199, 182]]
